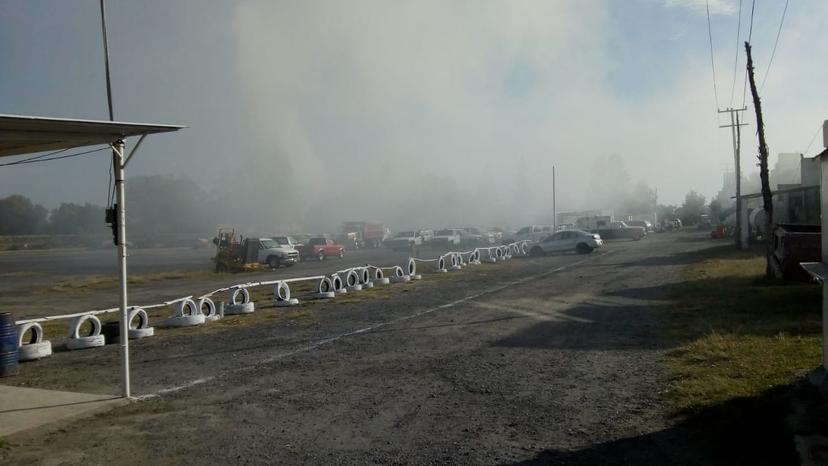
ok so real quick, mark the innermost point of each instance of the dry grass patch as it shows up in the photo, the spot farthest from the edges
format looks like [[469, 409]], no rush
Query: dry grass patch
[[742, 335]]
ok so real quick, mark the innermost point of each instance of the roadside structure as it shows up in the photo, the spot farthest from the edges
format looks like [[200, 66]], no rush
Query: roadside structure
[[819, 270], [29, 134]]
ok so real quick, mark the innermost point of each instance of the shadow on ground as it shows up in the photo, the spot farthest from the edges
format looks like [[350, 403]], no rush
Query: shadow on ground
[[745, 431]]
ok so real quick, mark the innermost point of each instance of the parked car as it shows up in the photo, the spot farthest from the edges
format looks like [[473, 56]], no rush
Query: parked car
[[648, 227], [578, 241], [404, 241], [321, 248], [620, 230], [426, 235], [530, 233], [447, 237], [473, 237]]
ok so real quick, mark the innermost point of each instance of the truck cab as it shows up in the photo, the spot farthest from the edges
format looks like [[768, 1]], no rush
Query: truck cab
[[277, 251]]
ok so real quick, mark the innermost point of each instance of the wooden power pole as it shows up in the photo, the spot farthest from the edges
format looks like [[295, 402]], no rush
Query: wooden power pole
[[767, 196], [735, 130]]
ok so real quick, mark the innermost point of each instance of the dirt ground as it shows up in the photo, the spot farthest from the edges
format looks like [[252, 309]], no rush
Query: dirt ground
[[552, 360]]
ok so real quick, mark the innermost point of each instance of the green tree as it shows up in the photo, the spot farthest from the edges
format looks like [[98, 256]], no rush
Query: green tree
[[693, 207], [19, 216], [76, 219]]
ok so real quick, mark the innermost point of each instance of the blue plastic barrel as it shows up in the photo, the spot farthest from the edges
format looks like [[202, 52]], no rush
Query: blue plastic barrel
[[8, 345]]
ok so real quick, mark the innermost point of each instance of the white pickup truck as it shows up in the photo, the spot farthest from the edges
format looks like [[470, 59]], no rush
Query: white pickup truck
[[277, 251]]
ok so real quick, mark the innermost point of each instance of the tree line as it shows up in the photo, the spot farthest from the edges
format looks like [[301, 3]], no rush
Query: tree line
[[155, 205]]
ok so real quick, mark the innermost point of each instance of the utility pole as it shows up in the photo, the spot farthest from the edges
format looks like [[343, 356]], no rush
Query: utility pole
[[554, 212], [735, 131]]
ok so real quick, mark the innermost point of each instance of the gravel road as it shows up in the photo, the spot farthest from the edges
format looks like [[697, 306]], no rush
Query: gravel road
[[549, 360]]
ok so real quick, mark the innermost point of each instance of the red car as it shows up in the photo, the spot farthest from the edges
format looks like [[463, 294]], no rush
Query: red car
[[320, 248]]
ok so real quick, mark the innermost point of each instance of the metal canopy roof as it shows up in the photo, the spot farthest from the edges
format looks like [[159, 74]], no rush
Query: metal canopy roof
[[28, 134]]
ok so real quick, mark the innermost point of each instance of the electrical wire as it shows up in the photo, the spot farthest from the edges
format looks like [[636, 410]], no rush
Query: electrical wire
[[41, 159], [812, 140], [712, 61], [750, 37], [36, 157], [778, 33], [738, 49]]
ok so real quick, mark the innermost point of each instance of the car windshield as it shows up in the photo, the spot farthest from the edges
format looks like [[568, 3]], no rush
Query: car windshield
[[268, 243], [316, 241], [445, 233], [405, 234], [281, 240]]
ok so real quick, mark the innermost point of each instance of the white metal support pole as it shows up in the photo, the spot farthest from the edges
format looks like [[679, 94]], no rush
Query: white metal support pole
[[120, 215]]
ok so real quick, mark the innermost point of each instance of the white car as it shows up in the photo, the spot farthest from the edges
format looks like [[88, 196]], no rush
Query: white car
[[446, 238], [404, 241], [578, 241]]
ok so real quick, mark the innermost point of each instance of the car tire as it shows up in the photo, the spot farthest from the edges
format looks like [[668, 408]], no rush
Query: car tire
[[536, 251], [273, 262], [583, 248]]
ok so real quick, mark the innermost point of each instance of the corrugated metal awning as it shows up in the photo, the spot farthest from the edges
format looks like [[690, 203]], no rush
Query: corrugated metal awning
[[28, 134]]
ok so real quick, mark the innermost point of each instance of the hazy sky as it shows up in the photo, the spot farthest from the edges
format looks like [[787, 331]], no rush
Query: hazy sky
[[372, 93]]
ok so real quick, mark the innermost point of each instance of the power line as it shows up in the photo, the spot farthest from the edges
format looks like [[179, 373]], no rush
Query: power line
[[750, 37], [736, 61], [778, 33], [41, 158], [712, 61], [812, 139], [36, 157]]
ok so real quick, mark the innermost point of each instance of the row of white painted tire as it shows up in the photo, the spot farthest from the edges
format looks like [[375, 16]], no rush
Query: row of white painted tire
[[456, 261], [191, 312], [34, 347]]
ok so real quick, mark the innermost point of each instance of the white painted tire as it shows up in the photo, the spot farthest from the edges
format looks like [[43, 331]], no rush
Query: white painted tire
[[142, 328], [349, 278], [135, 333], [523, 251], [93, 341], [325, 286], [34, 328], [400, 279], [364, 276], [234, 296], [515, 249], [324, 295], [367, 285], [382, 281], [34, 351], [141, 315], [453, 260], [356, 287], [398, 271], [236, 309], [77, 322], [441, 264], [378, 275], [416, 277], [207, 307], [281, 291], [184, 321], [187, 307], [411, 267], [337, 283]]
